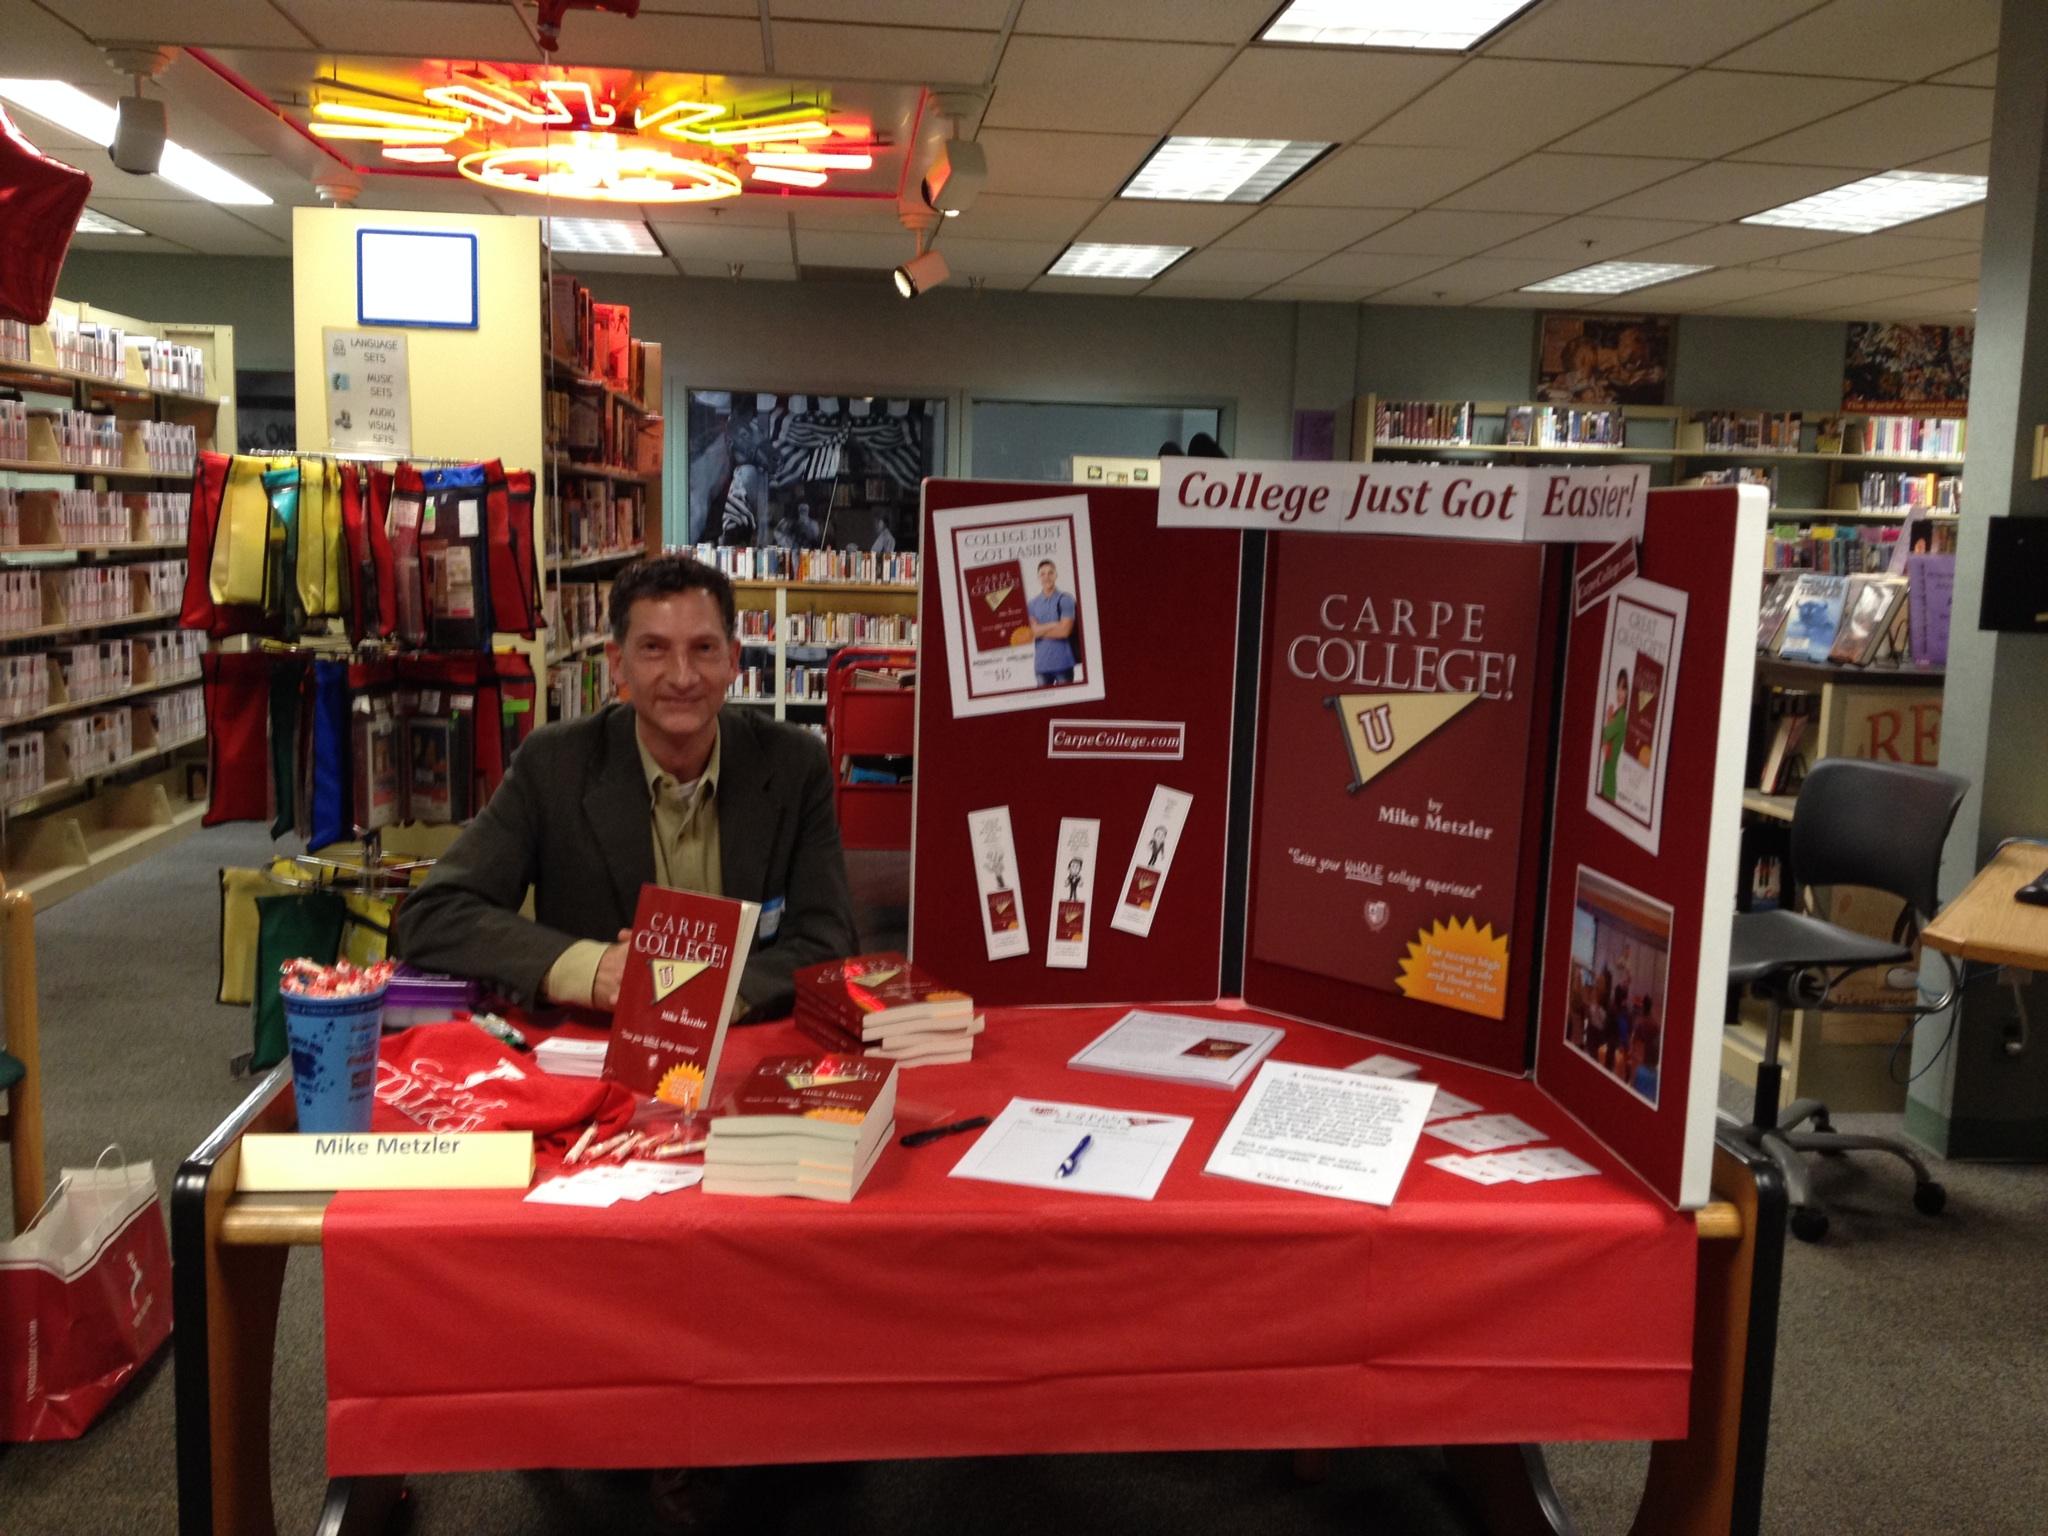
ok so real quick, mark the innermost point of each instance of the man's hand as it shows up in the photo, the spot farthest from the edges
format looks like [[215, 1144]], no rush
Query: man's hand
[[611, 973]]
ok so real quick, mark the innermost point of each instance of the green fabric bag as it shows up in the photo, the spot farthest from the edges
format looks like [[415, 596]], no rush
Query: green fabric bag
[[306, 925]]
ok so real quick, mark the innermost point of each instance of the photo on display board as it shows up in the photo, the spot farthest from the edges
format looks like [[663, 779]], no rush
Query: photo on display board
[[1604, 359], [1632, 725], [797, 472], [1922, 369], [1614, 1011]]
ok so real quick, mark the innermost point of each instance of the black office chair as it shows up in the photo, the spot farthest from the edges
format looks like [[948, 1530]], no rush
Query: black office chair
[[1878, 825]]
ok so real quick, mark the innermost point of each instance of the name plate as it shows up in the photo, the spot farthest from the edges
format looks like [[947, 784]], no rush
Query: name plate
[[310, 1160]]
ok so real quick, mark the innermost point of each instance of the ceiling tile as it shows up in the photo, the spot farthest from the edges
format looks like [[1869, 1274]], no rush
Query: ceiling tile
[[916, 56], [437, 29], [755, 271], [247, 23], [1871, 253], [1473, 107], [1029, 163], [706, 7], [1722, 190], [41, 47], [1482, 277], [1970, 160], [1308, 229], [606, 261], [995, 217], [1109, 87], [1563, 183], [199, 227], [1982, 71], [423, 194], [1895, 129], [1443, 233], [998, 258], [1630, 31], [1711, 112], [1258, 267], [1164, 21], [1362, 272], [1100, 287], [1329, 95], [754, 210], [109, 182], [264, 174], [843, 215], [714, 44], [1705, 289], [1170, 288], [1591, 237], [1876, 39], [1137, 221], [833, 249], [976, 15], [1963, 224], [1016, 283], [1942, 266], [1517, 300], [1854, 288], [1729, 245], [1962, 296], [1376, 176], [729, 243]]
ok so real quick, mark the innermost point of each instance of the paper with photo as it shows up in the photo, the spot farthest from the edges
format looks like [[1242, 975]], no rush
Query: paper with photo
[[1017, 596], [1218, 1052], [1104, 1151], [998, 883], [1323, 1132], [1073, 893], [1144, 884], [1632, 716]]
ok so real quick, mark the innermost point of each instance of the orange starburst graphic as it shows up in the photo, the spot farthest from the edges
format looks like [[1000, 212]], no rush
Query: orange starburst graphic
[[836, 1116], [1460, 965], [681, 1085]]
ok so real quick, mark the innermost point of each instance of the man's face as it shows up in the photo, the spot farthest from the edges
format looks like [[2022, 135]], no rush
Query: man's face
[[1046, 578], [676, 663]]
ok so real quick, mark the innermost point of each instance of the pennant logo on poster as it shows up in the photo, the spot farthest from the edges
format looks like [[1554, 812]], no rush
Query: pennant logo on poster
[[1382, 728], [671, 974]]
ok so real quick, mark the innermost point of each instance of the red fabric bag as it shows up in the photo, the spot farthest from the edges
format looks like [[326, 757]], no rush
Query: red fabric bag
[[378, 521], [40, 201], [85, 1292], [237, 691], [454, 1077]]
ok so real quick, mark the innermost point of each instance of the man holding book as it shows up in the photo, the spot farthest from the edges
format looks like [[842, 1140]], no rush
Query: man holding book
[[669, 786]]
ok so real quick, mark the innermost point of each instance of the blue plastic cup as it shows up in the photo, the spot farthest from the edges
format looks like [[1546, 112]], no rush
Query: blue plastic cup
[[334, 1058]]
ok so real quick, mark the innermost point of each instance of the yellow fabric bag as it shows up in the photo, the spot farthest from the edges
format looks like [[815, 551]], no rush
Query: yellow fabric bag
[[322, 589], [242, 539]]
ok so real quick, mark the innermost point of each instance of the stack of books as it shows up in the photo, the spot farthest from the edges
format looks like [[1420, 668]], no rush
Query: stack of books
[[812, 1126], [884, 1007]]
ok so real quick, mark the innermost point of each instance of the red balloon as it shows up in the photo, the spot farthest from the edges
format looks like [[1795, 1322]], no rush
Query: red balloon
[[40, 201]]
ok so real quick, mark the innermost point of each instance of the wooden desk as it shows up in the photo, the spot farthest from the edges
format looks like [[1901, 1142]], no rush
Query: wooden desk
[[1986, 924]]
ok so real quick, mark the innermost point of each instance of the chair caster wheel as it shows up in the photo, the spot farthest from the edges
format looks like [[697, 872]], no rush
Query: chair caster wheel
[[1808, 1224], [1929, 1199]]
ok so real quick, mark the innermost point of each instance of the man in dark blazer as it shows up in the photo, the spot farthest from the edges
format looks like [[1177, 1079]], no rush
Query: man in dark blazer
[[670, 786]]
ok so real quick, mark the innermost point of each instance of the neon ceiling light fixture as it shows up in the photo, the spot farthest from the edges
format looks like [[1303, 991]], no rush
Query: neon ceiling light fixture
[[597, 167], [787, 176], [811, 160]]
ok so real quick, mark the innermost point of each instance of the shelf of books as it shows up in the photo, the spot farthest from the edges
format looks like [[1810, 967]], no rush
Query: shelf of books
[[102, 417], [799, 607], [602, 498]]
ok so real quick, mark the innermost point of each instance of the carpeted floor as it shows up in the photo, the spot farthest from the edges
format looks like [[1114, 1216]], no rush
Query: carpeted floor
[[1911, 1387]]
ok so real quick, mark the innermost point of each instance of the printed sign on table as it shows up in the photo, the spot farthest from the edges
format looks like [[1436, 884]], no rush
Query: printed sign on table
[[1017, 593], [1398, 696], [1638, 673]]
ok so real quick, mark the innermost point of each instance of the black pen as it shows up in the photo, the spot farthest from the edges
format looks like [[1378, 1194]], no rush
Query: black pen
[[920, 1138]]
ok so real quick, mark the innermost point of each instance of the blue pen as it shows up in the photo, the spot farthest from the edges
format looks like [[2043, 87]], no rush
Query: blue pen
[[1066, 1169]]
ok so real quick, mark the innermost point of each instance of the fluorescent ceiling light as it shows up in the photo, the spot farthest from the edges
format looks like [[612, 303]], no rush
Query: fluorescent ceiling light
[[93, 222], [1220, 170], [1877, 202], [602, 237], [1086, 260], [93, 120], [1615, 277], [1390, 23]]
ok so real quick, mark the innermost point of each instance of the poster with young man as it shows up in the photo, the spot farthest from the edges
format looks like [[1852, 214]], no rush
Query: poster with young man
[[1399, 683], [1017, 593], [1639, 672]]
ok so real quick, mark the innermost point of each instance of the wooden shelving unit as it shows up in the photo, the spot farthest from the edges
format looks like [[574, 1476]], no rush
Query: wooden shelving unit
[[781, 600]]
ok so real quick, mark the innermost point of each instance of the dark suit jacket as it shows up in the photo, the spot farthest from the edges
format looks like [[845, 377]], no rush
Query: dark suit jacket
[[573, 821]]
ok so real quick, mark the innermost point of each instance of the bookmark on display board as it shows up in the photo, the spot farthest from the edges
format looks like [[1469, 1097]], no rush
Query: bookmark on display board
[[997, 880], [1152, 856], [1073, 893]]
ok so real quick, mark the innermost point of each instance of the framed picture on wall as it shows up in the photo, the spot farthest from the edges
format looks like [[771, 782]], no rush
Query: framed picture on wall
[[1922, 370], [1603, 359]]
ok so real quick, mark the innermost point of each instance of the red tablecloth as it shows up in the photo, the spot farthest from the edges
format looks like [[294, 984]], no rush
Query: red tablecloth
[[950, 1317]]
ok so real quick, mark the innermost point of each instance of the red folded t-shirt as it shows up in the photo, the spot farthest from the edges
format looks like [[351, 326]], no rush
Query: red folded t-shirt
[[454, 1077]]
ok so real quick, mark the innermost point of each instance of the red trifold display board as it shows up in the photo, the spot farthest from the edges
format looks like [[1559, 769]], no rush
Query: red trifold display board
[[1121, 717], [1644, 851], [937, 1316], [1404, 700]]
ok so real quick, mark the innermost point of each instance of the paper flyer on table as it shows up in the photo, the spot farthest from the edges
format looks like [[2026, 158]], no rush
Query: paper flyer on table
[[1216, 1052], [1324, 1132], [1017, 594], [1076, 1147]]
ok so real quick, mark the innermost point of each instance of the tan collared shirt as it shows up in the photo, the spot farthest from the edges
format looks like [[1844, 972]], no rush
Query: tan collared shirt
[[686, 858]]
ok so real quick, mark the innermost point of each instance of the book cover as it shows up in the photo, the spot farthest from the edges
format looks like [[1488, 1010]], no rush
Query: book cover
[[682, 977], [871, 993], [995, 606], [1815, 617], [1864, 608], [843, 1097], [1777, 604]]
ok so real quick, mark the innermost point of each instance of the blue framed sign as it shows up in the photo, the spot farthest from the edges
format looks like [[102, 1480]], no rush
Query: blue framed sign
[[416, 277]]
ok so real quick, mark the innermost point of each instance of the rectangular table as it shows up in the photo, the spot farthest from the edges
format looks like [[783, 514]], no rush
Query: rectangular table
[[1986, 924], [940, 1317]]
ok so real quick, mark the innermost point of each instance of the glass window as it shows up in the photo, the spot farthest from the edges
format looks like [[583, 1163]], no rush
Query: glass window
[[1026, 440]]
